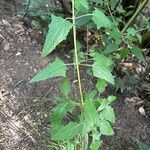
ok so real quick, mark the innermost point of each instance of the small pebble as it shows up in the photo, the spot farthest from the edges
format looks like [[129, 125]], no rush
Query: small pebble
[[18, 53]]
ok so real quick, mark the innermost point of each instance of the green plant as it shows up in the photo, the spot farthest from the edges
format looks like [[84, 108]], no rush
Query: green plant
[[127, 84], [94, 115], [143, 146]]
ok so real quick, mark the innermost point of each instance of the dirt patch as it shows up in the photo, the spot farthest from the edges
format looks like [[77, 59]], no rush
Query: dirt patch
[[24, 106], [130, 127]]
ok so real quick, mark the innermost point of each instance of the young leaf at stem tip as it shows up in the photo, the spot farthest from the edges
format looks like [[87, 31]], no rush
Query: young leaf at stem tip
[[101, 85], [65, 86]]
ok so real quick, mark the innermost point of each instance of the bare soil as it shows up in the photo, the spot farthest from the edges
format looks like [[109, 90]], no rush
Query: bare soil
[[24, 106]]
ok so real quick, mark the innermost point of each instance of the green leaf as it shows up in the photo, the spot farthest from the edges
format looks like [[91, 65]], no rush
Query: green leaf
[[103, 73], [61, 110], [55, 69], [115, 33], [90, 95], [105, 102], [110, 48], [108, 114], [139, 37], [100, 19], [101, 85], [105, 128], [65, 86], [82, 20], [58, 31], [81, 5], [138, 53], [68, 132], [90, 116], [131, 31], [124, 53], [102, 60], [70, 146], [143, 146], [120, 9], [95, 145], [90, 113]]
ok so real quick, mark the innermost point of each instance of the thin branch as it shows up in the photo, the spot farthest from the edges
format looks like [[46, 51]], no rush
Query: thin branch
[[76, 53], [135, 15]]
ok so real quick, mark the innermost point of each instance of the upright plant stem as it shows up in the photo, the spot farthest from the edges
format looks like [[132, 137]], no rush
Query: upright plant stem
[[76, 53], [141, 6]]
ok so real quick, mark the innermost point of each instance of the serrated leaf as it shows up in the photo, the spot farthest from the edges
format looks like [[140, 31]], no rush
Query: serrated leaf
[[68, 132], [115, 33], [70, 145], [110, 48], [105, 102], [61, 110], [65, 86], [100, 19], [105, 128], [108, 114], [81, 5], [101, 85], [102, 60], [91, 117], [58, 31], [103, 73], [95, 145], [101, 68], [131, 31], [138, 53], [90, 95], [82, 20], [55, 69]]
